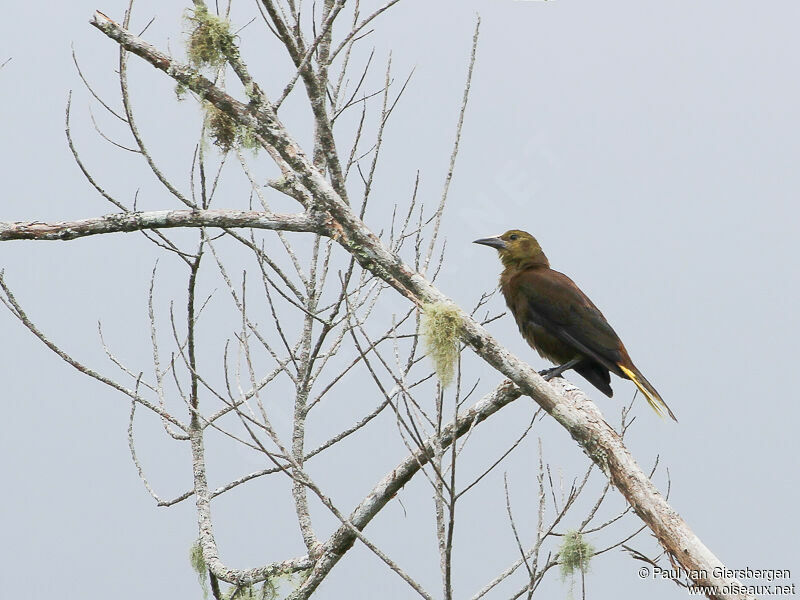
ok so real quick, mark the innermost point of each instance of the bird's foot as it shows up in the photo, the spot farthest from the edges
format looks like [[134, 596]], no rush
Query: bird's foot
[[548, 374]]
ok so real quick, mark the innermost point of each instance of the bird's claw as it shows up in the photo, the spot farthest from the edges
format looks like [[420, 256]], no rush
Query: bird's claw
[[548, 374]]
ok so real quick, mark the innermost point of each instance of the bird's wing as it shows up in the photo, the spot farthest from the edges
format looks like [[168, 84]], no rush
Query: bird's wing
[[554, 302]]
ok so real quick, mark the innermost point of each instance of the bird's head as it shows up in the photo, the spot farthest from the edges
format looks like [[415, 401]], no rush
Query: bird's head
[[516, 249]]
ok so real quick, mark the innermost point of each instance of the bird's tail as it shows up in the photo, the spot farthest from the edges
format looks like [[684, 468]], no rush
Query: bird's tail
[[653, 397]]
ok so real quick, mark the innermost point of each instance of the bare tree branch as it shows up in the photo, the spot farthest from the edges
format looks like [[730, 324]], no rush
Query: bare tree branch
[[161, 219]]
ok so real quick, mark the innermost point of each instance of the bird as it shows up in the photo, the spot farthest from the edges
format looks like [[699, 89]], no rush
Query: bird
[[560, 322]]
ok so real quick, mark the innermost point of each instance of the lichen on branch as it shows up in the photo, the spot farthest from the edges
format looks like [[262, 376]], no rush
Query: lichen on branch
[[210, 39], [199, 566], [225, 132], [575, 554], [440, 328]]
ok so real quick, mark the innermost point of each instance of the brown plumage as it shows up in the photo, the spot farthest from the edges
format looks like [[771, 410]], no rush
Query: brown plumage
[[560, 322]]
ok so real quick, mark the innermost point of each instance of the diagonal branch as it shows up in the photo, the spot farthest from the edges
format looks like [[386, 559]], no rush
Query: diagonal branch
[[341, 541]]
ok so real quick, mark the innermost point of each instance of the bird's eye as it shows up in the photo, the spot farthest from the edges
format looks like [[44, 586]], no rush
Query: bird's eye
[[513, 236]]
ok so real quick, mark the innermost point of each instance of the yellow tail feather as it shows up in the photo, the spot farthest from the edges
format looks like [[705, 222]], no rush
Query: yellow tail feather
[[652, 396]]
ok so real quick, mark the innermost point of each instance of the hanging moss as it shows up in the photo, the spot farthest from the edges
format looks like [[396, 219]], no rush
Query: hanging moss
[[197, 560], [243, 593], [210, 39], [225, 132], [575, 554], [199, 565], [181, 91], [269, 589], [222, 129], [440, 328], [248, 140]]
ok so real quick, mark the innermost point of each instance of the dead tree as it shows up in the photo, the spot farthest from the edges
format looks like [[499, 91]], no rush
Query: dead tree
[[309, 311]]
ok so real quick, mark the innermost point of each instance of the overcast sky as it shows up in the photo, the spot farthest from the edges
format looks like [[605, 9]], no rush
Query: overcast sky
[[651, 147]]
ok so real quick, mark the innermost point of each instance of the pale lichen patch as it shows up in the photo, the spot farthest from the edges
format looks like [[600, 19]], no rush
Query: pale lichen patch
[[441, 327]]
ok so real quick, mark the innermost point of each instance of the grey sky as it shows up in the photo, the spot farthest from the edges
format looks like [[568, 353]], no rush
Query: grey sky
[[652, 148]]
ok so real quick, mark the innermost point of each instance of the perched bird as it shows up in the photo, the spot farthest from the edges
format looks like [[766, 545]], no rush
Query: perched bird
[[560, 322]]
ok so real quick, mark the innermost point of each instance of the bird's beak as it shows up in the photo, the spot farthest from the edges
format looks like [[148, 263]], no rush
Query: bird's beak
[[494, 242]]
